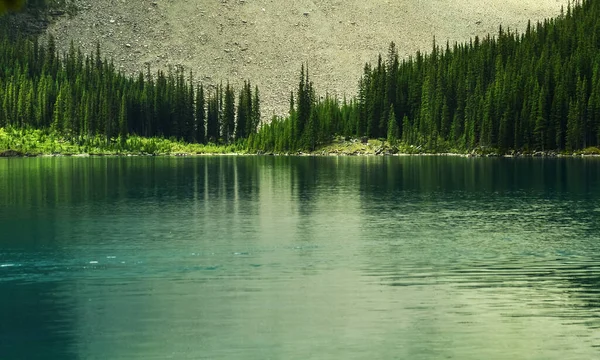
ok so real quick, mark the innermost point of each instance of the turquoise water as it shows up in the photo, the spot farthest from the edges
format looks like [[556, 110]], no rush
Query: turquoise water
[[299, 258]]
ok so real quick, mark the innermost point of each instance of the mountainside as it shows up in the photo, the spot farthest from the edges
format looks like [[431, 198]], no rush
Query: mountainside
[[266, 41], [536, 92]]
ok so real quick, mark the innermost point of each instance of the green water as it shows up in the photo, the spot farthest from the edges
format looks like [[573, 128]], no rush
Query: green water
[[299, 258]]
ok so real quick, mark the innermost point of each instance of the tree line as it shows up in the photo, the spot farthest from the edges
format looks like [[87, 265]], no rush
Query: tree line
[[532, 91], [537, 90], [85, 96]]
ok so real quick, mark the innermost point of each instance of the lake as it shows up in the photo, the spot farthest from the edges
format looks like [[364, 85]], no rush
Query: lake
[[299, 258]]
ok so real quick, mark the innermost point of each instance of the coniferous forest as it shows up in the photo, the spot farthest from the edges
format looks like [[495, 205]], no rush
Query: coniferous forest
[[83, 97], [538, 90]]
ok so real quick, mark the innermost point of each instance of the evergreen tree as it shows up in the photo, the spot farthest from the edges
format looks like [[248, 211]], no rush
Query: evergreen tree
[[305, 100], [59, 112], [573, 130], [392, 129], [123, 125], [242, 115], [256, 115], [229, 114], [200, 117], [212, 121]]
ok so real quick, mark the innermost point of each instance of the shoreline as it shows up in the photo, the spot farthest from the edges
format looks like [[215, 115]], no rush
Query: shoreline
[[42, 143], [7, 154]]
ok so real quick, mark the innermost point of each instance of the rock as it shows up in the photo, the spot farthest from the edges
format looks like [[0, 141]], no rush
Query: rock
[[306, 13], [10, 153], [128, 45]]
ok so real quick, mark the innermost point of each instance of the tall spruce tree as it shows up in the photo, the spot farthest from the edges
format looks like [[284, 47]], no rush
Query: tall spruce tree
[[200, 117], [229, 114], [392, 128]]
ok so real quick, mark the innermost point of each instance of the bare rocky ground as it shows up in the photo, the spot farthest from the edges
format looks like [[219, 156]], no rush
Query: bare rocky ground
[[266, 41]]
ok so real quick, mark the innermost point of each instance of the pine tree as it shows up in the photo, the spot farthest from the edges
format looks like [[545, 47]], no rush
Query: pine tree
[[392, 129], [59, 112], [200, 117], [212, 121], [229, 114], [407, 133], [242, 115], [310, 133], [255, 110], [304, 103], [573, 130], [541, 122], [123, 124], [190, 131], [292, 120], [426, 113]]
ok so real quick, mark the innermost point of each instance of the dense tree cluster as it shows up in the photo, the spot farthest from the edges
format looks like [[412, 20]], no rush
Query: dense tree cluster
[[311, 121], [538, 90], [84, 96]]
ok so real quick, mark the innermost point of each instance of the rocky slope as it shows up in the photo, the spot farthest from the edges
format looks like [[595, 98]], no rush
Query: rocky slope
[[267, 40]]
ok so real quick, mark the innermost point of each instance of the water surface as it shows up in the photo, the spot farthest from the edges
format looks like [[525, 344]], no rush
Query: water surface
[[299, 258]]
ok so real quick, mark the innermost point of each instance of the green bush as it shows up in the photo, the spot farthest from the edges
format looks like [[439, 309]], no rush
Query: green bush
[[48, 142]]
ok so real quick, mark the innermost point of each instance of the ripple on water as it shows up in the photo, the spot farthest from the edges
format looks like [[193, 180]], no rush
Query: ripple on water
[[387, 258]]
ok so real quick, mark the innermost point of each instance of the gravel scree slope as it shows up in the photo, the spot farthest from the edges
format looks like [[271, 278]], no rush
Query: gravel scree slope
[[266, 41]]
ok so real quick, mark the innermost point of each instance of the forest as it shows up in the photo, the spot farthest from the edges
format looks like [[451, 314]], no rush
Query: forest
[[538, 90]]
